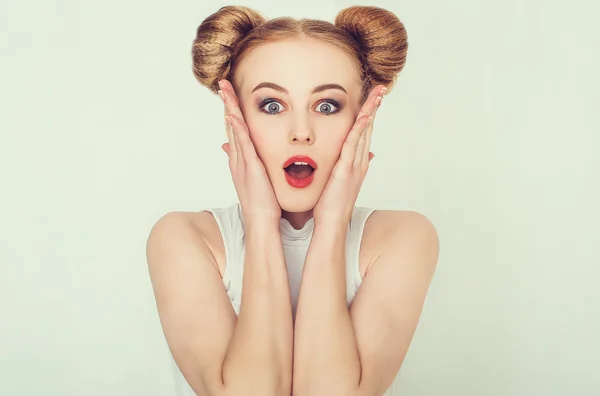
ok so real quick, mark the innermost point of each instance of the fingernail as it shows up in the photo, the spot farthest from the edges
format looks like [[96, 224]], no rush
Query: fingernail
[[222, 95], [383, 90], [378, 100], [221, 84], [228, 120]]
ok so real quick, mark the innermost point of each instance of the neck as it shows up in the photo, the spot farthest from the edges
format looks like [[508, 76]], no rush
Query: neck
[[297, 219]]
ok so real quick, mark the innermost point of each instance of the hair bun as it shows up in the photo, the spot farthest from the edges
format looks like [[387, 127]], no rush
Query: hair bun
[[216, 41], [382, 40]]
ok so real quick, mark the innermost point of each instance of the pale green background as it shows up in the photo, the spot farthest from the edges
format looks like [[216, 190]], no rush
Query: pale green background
[[492, 132]]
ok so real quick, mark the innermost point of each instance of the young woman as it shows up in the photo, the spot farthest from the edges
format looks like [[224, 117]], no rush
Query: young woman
[[332, 293]]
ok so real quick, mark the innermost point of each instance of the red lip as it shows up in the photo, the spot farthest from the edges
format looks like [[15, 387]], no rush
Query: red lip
[[300, 158]]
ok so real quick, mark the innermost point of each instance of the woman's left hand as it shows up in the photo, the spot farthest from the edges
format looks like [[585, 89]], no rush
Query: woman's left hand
[[336, 203]]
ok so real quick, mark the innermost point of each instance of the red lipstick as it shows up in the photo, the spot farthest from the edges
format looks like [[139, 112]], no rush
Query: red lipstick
[[299, 171], [300, 158]]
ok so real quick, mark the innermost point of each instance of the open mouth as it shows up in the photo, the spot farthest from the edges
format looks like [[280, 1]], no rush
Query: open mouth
[[299, 170]]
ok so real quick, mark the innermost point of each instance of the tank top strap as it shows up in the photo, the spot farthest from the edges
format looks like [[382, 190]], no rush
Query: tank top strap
[[356, 227], [231, 224]]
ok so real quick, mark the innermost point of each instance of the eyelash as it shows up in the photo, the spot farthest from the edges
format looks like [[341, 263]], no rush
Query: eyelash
[[267, 101]]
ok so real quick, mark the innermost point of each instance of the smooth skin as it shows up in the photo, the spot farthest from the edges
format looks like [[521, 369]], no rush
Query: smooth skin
[[218, 353], [329, 349]]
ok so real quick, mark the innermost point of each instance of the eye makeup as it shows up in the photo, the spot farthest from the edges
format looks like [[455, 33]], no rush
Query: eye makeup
[[262, 102]]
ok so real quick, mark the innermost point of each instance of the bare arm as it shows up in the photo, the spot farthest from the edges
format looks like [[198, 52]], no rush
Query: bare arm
[[259, 360], [324, 343], [358, 352], [218, 353]]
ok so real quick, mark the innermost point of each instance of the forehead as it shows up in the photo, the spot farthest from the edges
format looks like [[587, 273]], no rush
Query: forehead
[[298, 65]]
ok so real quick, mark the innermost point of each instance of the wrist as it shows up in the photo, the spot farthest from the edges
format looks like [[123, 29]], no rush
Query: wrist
[[332, 220], [332, 226], [333, 217], [262, 226]]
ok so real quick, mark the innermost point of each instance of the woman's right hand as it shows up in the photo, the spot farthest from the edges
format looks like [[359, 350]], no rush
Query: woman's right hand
[[252, 184]]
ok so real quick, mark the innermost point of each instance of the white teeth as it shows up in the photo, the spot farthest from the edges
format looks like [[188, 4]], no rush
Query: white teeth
[[300, 163]]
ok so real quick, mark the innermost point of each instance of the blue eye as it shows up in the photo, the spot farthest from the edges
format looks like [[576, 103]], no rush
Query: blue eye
[[326, 105], [271, 106]]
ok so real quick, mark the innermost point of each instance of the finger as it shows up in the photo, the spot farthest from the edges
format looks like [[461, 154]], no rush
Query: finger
[[373, 107], [232, 149], [238, 147], [244, 146], [242, 140], [360, 149], [372, 101], [232, 103], [369, 108], [362, 142], [222, 96], [350, 146], [368, 133]]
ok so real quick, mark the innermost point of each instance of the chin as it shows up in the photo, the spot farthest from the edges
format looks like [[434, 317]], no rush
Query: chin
[[295, 200], [297, 206]]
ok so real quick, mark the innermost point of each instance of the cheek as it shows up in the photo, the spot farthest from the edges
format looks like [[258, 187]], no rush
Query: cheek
[[332, 139], [263, 142], [258, 128], [336, 133]]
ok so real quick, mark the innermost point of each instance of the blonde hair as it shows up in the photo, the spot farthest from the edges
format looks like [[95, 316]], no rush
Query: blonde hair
[[373, 37]]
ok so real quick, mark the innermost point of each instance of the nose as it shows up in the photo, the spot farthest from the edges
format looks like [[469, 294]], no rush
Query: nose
[[302, 132]]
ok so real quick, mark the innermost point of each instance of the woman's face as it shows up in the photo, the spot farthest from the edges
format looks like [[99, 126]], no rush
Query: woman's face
[[287, 117]]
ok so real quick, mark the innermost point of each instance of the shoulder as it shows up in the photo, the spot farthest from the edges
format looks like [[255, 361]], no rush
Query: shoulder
[[176, 228], [387, 230], [393, 293]]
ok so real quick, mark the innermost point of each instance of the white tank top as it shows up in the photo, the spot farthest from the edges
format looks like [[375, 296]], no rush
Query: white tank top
[[295, 245]]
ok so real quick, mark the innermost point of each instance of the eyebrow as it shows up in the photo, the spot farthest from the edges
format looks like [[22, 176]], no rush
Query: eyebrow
[[315, 90]]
